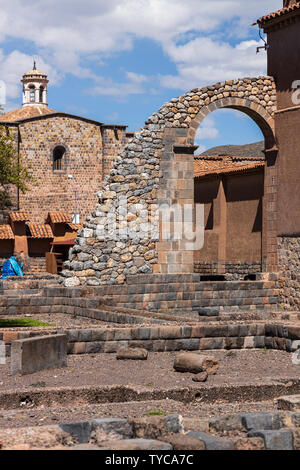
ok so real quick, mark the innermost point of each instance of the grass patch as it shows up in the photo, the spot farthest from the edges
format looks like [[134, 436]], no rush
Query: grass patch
[[39, 384], [20, 323], [156, 413]]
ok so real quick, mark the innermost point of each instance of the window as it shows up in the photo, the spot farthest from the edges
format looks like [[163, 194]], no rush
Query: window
[[41, 94], [58, 154], [32, 94]]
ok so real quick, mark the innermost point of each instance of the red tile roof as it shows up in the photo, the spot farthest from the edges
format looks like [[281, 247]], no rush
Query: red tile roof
[[40, 230], [6, 232], [278, 13], [216, 165], [74, 227], [18, 216], [59, 217], [25, 113]]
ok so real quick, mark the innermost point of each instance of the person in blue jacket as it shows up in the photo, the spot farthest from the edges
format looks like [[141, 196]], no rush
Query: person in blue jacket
[[11, 268]]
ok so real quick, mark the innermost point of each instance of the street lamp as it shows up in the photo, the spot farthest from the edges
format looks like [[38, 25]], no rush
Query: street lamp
[[70, 177]]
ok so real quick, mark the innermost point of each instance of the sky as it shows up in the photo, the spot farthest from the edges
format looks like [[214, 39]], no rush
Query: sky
[[118, 61]]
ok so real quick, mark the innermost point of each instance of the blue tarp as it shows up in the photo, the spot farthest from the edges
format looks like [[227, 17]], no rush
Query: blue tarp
[[11, 268]]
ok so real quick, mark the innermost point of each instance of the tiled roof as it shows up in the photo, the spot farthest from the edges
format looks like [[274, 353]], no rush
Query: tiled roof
[[278, 13], [6, 232], [59, 217], [26, 112], [20, 216], [74, 227], [216, 165], [40, 230]]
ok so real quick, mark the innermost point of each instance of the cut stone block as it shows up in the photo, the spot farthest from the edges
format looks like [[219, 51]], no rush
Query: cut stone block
[[42, 352], [195, 363], [290, 403], [132, 354]]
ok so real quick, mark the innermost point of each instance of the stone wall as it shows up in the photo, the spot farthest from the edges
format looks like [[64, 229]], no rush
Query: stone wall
[[83, 159], [148, 172], [289, 277], [239, 268]]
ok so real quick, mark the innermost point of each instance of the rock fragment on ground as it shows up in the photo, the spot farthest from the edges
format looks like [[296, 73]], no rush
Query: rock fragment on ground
[[195, 363], [132, 354]]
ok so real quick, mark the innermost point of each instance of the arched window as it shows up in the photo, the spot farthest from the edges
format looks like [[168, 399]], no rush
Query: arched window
[[58, 154], [41, 94], [32, 94]]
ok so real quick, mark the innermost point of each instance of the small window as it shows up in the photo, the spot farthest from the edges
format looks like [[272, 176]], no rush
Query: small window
[[41, 94], [32, 94], [58, 154]]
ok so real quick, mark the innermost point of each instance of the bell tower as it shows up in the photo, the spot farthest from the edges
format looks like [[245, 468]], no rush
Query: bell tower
[[35, 88]]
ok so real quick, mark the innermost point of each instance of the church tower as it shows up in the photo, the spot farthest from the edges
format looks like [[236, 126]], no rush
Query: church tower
[[35, 88]]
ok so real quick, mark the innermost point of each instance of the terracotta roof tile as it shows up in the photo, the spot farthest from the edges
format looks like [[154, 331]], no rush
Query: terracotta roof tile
[[74, 227], [19, 216], [25, 113], [278, 13], [40, 230], [6, 232], [215, 165], [59, 217]]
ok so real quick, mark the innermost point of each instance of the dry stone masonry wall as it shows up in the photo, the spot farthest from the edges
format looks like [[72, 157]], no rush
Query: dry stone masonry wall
[[132, 189]]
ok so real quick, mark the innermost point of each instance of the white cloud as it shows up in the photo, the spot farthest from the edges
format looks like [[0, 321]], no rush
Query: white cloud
[[68, 33], [132, 86], [207, 130]]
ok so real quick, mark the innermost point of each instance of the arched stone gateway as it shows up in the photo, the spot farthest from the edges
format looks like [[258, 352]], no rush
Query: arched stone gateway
[[156, 170]]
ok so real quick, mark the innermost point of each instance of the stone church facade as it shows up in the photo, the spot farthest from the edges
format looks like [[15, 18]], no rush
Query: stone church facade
[[55, 145]]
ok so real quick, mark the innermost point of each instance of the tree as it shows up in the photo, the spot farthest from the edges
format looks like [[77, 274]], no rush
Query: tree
[[13, 171]]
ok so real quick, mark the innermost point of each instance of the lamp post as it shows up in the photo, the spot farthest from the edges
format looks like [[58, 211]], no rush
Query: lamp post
[[75, 214]]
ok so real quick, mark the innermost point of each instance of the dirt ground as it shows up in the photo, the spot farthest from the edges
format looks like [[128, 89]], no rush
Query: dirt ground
[[236, 368], [61, 320]]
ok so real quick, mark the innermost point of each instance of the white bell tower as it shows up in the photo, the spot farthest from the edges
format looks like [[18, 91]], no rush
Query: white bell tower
[[35, 88]]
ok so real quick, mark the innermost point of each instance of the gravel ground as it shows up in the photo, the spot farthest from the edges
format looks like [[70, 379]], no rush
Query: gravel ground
[[193, 413], [61, 320], [236, 368]]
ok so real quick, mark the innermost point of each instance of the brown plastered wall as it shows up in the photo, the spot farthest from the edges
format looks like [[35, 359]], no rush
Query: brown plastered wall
[[83, 160], [288, 137], [244, 217], [283, 61], [235, 234]]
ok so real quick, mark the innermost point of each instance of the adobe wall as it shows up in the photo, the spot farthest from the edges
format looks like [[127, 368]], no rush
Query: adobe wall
[[156, 168], [242, 231], [283, 59]]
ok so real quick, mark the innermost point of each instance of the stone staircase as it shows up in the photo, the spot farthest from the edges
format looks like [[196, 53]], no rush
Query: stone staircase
[[185, 295], [188, 293]]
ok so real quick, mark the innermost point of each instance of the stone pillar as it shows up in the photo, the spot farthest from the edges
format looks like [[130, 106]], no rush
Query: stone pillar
[[177, 190]]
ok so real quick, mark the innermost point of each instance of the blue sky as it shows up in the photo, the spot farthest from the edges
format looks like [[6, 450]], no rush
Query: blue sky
[[119, 61]]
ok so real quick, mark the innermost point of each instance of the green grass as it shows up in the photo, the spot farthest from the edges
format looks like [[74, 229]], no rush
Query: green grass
[[156, 413], [20, 323]]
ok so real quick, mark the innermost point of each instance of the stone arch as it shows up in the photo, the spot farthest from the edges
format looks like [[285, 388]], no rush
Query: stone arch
[[255, 111], [156, 167]]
